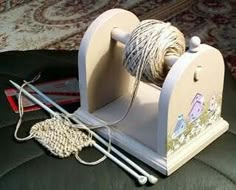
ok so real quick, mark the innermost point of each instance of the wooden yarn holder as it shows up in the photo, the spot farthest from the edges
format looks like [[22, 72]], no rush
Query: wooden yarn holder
[[166, 126]]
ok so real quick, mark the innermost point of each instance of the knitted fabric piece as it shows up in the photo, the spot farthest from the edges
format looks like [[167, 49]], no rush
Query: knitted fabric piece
[[59, 137]]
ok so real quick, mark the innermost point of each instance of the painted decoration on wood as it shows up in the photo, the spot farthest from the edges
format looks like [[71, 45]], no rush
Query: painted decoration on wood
[[197, 107], [201, 116], [180, 127]]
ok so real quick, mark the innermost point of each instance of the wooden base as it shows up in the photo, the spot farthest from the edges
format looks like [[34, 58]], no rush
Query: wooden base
[[165, 165], [193, 147]]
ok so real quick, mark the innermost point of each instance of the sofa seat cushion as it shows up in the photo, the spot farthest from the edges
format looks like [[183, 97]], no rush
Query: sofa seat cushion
[[27, 165]]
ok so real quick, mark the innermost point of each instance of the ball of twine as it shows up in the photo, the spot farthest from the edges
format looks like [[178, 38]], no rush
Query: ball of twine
[[145, 51]]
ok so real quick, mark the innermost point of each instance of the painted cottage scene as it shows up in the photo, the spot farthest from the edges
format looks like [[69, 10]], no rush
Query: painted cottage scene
[[197, 107], [201, 115], [180, 127]]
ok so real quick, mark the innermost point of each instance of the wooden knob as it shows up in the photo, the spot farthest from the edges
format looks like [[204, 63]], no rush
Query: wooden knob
[[194, 43]]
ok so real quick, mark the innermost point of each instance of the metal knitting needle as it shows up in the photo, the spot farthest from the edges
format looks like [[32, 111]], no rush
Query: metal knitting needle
[[152, 179], [141, 179]]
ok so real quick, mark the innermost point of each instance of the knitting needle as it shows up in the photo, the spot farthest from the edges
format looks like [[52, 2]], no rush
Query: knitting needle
[[152, 179], [141, 179], [59, 93]]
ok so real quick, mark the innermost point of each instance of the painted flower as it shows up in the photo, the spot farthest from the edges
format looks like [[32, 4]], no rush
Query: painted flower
[[170, 152], [176, 146], [213, 104], [181, 139], [218, 111]]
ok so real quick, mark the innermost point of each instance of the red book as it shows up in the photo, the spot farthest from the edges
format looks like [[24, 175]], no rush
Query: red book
[[63, 92]]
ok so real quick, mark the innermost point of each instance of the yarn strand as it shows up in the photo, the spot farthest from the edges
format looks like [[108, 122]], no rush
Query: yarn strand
[[21, 110]]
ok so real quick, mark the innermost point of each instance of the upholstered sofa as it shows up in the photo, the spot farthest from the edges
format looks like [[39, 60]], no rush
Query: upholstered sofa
[[28, 166]]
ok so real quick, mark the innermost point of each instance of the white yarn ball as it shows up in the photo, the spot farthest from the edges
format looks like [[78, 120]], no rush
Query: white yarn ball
[[145, 51]]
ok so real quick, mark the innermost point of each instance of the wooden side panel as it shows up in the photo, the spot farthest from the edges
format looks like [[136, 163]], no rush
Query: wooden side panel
[[101, 73], [191, 97]]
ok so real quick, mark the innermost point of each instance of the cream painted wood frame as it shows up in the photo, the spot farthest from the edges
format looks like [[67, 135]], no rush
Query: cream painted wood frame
[[148, 131]]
